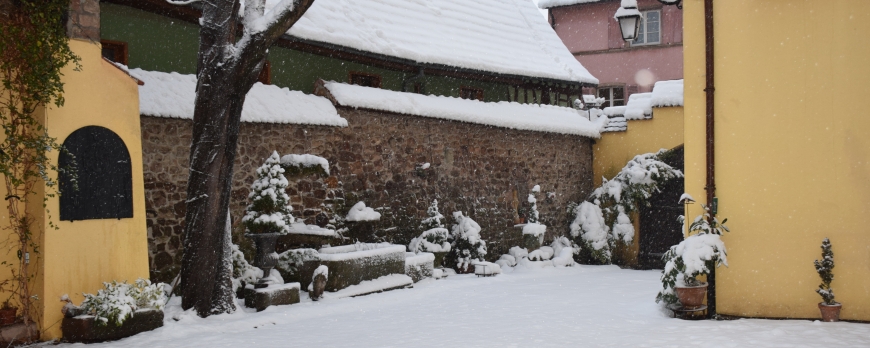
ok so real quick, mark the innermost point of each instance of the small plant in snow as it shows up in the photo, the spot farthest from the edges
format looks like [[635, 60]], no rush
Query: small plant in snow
[[434, 237], [534, 216], [466, 245], [693, 257], [825, 267], [118, 301], [269, 211], [598, 229], [242, 270]]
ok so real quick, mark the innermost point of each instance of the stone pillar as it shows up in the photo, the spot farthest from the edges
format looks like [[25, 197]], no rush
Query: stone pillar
[[84, 20]]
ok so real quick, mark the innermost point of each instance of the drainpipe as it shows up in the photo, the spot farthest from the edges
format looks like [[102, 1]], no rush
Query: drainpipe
[[711, 159], [408, 84]]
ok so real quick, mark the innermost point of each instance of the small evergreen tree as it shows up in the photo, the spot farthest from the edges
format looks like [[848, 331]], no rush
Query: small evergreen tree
[[269, 211], [825, 267], [434, 237], [434, 219], [466, 245], [534, 216]]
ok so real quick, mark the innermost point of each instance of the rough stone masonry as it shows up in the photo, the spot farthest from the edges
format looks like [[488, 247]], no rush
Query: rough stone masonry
[[483, 171]]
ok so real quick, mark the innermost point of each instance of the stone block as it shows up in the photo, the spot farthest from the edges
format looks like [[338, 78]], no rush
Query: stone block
[[15, 334], [84, 328], [273, 295]]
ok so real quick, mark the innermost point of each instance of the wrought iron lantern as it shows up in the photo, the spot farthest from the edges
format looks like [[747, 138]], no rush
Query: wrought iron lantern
[[629, 19]]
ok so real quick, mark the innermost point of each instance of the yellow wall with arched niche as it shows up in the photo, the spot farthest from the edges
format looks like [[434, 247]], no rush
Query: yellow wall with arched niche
[[78, 256], [792, 149], [614, 149]]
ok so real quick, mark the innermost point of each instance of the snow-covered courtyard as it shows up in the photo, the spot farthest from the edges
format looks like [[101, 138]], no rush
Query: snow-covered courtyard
[[589, 306]]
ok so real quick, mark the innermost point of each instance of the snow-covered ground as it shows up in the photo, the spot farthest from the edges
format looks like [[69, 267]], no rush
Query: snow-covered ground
[[589, 306]]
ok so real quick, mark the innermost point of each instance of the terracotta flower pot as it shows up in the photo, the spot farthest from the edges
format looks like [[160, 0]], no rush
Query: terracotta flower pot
[[830, 312], [7, 316], [693, 296]]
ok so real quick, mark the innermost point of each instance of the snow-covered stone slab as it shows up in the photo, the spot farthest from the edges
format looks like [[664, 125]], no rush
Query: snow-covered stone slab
[[500, 36], [532, 117], [555, 3], [385, 283], [302, 228], [173, 95], [352, 264], [419, 266], [483, 268], [273, 295]]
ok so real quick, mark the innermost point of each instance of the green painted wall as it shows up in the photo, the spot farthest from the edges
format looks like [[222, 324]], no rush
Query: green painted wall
[[164, 44]]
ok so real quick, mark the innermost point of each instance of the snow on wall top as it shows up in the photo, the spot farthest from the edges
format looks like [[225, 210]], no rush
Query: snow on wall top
[[500, 36], [555, 3], [542, 118], [639, 106], [667, 93], [173, 95]]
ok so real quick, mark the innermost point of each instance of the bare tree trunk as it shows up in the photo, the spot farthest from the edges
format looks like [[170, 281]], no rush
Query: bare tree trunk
[[227, 68]]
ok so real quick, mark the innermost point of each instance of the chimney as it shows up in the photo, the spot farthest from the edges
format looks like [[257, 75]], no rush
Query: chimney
[[84, 20]]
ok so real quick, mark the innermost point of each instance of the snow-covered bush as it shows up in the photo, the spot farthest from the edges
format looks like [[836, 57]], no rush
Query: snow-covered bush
[[434, 237], [119, 301], [825, 268], [466, 245], [695, 256], [534, 216], [604, 219], [242, 270], [291, 261], [359, 212], [269, 211], [299, 165]]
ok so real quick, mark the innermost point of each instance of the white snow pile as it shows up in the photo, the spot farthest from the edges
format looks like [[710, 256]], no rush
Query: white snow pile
[[545, 4], [533, 117], [433, 241], [560, 253], [302, 228], [321, 270], [535, 229], [667, 93], [361, 250], [118, 302], [500, 36], [306, 160], [467, 245], [386, 282], [173, 95], [639, 106], [486, 268], [412, 259], [359, 212]]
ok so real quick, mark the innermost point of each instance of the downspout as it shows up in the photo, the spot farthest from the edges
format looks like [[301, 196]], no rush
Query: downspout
[[408, 84], [711, 159]]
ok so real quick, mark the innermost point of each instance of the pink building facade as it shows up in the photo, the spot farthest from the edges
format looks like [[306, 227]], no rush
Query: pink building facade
[[589, 31]]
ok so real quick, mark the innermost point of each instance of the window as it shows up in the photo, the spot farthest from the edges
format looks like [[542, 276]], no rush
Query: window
[[115, 51], [466, 92], [104, 172], [650, 32], [363, 79], [614, 96]]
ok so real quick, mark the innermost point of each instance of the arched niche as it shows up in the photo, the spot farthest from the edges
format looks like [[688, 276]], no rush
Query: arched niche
[[104, 176]]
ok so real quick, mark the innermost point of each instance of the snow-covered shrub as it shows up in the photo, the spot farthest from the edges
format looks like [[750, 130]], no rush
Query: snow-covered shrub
[[604, 219], [542, 254], [825, 268], [242, 270], [534, 217], [269, 211], [435, 237], [119, 301], [291, 261], [695, 256], [299, 165], [466, 245], [359, 212]]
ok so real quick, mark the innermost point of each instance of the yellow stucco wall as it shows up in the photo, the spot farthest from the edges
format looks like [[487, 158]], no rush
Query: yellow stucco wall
[[610, 153], [792, 149], [663, 131], [80, 255]]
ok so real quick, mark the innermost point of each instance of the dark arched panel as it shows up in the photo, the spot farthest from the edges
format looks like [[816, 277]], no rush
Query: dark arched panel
[[105, 177]]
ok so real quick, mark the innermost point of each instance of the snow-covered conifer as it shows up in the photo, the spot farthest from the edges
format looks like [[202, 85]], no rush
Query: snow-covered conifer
[[434, 219], [269, 211], [466, 245], [434, 237], [534, 216], [825, 267]]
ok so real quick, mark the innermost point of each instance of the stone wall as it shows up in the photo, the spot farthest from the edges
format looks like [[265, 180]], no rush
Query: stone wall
[[481, 170]]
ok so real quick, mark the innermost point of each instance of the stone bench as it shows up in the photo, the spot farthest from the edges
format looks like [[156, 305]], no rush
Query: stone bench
[[352, 264]]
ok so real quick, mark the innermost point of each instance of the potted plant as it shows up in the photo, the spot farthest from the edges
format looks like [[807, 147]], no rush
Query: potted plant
[[268, 216], [7, 313], [829, 308], [680, 282]]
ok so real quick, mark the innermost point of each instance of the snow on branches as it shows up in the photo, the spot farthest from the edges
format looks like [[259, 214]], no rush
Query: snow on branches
[[269, 211], [119, 301], [466, 246], [605, 217], [434, 236]]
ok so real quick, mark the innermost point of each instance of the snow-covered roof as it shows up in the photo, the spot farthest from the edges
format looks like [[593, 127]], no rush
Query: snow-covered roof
[[542, 118], [499, 36], [667, 93], [172, 95], [556, 3]]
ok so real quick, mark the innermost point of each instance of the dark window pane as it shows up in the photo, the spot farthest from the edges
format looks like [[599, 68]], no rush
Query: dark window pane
[[618, 93]]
